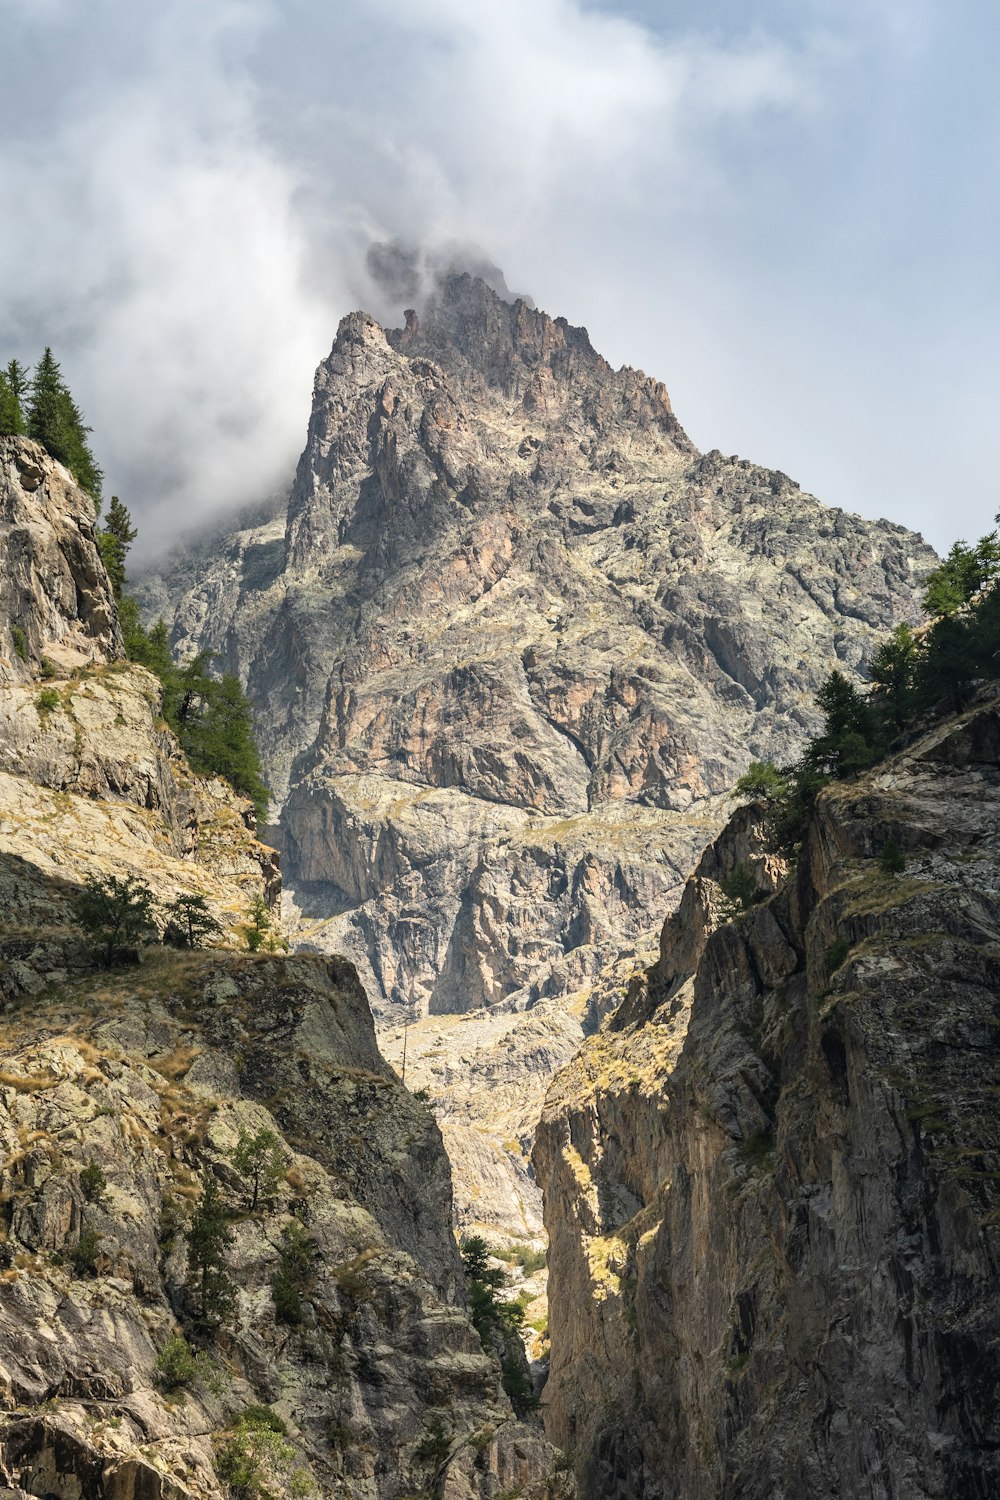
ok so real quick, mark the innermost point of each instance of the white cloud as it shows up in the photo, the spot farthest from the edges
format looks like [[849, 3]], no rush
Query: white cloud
[[189, 192]]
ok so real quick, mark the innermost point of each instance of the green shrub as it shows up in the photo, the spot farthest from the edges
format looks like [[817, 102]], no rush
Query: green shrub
[[891, 860], [86, 1251], [435, 1445], [48, 669], [93, 1182], [263, 1418], [258, 1462], [740, 888], [176, 1365], [835, 955], [47, 702], [20, 641]]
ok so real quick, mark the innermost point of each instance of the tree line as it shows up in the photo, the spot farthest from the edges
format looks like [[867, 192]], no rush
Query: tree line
[[915, 677], [211, 715]]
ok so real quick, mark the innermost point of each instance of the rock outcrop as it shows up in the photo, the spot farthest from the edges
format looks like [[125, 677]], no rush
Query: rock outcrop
[[381, 1382], [509, 644], [92, 782], [771, 1182], [124, 1095], [54, 598]]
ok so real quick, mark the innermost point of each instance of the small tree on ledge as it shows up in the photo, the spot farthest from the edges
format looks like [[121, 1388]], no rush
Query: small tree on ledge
[[118, 914], [190, 922]]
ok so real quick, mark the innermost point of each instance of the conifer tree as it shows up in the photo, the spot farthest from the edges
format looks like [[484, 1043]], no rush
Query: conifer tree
[[215, 726], [892, 669], [18, 378], [115, 538], [259, 1158], [11, 415], [208, 1238], [190, 922], [55, 421]]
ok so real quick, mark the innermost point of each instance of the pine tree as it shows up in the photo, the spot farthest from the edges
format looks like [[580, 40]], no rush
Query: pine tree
[[115, 538], [259, 1157], [292, 1275], [11, 415], [215, 726], [848, 742], [55, 421], [190, 921], [963, 573], [892, 670], [18, 378], [208, 1238]]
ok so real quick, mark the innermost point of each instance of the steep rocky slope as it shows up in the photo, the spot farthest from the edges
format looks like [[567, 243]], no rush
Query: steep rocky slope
[[123, 1095], [509, 644], [771, 1183], [383, 1385], [92, 782]]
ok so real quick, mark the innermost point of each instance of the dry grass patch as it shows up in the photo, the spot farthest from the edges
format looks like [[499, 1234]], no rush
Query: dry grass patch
[[29, 1083], [175, 1063]]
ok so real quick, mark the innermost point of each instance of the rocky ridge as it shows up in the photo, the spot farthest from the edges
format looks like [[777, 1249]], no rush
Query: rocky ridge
[[510, 644], [771, 1182], [147, 1075]]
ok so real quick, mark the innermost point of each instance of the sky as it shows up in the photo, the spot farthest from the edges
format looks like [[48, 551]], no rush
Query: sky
[[786, 210]]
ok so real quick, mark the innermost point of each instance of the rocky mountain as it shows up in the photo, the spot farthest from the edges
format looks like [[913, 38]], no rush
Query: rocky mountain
[[510, 644], [125, 1094], [771, 1183]]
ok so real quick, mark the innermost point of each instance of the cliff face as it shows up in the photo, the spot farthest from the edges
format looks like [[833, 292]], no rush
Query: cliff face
[[54, 599], [124, 1093], [153, 1077], [771, 1184], [92, 782], [511, 641]]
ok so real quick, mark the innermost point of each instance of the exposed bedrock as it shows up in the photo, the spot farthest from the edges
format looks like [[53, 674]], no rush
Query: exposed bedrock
[[771, 1183]]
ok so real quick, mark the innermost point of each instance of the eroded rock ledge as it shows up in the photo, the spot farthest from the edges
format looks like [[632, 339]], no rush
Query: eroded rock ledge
[[771, 1186]]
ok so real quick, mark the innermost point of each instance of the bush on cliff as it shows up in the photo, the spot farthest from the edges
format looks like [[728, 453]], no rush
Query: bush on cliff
[[117, 914], [497, 1320], [915, 679]]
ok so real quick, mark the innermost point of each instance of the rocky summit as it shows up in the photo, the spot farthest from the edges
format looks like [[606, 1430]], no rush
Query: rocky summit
[[511, 643]]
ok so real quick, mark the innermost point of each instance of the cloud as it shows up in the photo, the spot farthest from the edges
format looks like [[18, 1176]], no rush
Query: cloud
[[191, 190], [191, 221]]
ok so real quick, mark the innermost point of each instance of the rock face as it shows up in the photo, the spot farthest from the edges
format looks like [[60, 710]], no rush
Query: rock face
[[54, 599], [383, 1384], [92, 782], [512, 634], [509, 644], [771, 1183], [123, 1095]]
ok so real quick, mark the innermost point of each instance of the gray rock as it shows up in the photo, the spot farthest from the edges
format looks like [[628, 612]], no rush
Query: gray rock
[[771, 1182]]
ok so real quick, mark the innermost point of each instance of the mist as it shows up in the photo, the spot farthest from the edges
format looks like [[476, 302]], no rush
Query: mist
[[782, 216]]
